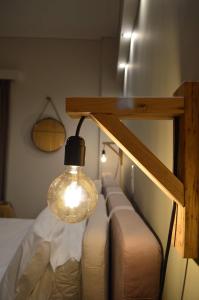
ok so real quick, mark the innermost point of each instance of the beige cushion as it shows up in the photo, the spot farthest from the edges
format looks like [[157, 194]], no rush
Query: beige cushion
[[63, 284], [118, 201], [95, 256], [135, 253], [109, 190], [67, 282]]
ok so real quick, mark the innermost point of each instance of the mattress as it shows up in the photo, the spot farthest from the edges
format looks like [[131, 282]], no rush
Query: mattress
[[12, 232]]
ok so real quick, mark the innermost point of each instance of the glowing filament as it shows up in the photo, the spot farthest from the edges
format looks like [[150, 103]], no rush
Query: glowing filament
[[73, 195]]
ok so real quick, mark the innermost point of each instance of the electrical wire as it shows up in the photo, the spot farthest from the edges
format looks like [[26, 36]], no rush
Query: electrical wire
[[174, 208], [184, 281], [79, 125], [165, 262]]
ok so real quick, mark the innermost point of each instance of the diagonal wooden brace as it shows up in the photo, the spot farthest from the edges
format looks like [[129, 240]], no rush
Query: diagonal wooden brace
[[141, 156]]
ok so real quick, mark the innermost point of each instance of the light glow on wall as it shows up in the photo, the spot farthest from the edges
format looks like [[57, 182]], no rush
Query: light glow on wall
[[122, 65], [125, 80], [127, 35], [134, 36]]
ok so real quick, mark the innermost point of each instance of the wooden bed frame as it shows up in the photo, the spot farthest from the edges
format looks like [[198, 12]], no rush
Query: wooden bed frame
[[183, 107]]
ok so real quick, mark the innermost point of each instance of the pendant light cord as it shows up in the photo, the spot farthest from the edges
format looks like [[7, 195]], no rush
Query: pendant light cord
[[165, 262], [176, 150], [79, 125], [184, 280]]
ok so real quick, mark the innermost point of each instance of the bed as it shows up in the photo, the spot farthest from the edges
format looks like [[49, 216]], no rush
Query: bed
[[12, 232], [120, 258], [70, 281]]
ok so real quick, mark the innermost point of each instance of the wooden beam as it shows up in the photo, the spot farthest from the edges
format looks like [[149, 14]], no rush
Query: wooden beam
[[141, 156], [187, 230], [132, 108], [184, 189]]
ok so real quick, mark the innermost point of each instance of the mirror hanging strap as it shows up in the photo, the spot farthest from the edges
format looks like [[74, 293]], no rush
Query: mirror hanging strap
[[49, 101]]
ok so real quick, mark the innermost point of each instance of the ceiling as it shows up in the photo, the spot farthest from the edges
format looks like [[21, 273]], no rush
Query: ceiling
[[71, 19]]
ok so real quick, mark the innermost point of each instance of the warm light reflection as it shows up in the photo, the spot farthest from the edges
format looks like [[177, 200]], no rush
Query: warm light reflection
[[134, 36], [73, 195], [127, 35], [74, 170], [122, 65], [125, 86]]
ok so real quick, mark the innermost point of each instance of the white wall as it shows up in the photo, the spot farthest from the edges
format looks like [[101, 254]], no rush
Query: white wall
[[164, 55], [109, 89], [57, 68]]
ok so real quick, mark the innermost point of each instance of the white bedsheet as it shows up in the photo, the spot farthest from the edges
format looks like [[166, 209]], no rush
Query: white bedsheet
[[12, 232]]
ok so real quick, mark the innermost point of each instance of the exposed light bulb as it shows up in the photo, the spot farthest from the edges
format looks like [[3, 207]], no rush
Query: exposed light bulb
[[72, 196], [127, 35], [103, 156]]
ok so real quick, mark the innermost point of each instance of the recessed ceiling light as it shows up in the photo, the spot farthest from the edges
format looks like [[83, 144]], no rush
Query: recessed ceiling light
[[127, 35]]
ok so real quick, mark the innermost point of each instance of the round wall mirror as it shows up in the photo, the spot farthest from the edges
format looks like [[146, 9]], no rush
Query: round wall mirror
[[48, 135]]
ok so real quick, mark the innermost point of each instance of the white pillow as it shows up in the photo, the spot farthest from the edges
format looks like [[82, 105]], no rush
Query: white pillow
[[64, 243], [65, 239]]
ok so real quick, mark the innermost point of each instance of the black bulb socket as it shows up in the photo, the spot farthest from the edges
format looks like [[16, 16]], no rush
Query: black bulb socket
[[75, 151]]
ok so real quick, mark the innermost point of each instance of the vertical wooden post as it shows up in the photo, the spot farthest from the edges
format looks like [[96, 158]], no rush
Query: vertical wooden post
[[187, 170]]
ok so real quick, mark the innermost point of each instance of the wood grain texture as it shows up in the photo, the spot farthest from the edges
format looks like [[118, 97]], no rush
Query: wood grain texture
[[6, 210], [129, 108], [48, 135], [179, 227], [187, 231], [141, 156]]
